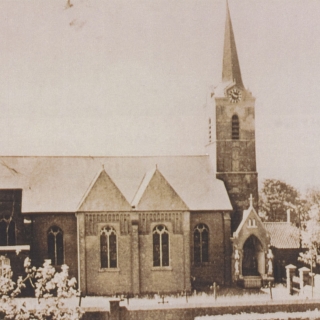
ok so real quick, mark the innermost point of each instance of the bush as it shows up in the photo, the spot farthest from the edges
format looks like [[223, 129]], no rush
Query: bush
[[52, 288]]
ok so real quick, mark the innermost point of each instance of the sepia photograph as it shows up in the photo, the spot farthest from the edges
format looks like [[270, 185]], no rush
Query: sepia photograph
[[159, 159]]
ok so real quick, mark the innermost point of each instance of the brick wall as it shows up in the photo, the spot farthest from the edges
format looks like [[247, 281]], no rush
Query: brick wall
[[113, 280], [239, 187], [10, 204], [214, 270], [39, 248], [246, 113], [165, 279], [176, 277], [236, 159], [135, 272]]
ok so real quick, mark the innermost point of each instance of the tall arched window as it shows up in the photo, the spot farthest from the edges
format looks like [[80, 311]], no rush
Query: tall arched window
[[3, 233], [201, 243], [108, 247], [160, 246], [235, 127], [55, 246], [7, 232]]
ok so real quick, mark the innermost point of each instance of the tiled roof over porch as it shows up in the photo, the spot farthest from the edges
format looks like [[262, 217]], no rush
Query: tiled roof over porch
[[283, 235]]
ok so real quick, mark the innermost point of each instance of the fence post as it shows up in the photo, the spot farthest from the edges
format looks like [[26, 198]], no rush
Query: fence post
[[303, 275], [270, 287], [290, 271], [114, 309]]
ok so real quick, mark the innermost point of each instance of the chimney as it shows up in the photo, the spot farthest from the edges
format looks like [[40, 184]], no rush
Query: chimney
[[288, 216]]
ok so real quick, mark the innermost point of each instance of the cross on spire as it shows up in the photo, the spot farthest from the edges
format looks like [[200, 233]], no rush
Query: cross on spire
[[251, 200], [231, 67]]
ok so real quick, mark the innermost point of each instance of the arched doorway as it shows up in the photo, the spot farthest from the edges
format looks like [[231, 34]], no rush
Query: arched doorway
[[253, 262]]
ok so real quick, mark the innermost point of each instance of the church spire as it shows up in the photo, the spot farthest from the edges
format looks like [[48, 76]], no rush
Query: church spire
[[231, 68]]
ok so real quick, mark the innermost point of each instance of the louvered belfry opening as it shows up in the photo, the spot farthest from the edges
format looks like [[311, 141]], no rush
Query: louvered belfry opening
[[235, 127]]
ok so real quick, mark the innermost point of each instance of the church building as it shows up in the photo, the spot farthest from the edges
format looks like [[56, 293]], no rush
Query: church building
[[146, 224]]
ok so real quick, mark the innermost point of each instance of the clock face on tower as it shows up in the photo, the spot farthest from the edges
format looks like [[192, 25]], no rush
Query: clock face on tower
[[235, 95]]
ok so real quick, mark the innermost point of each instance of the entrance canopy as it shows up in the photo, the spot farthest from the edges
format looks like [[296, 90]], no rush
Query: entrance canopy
[[251, 252]]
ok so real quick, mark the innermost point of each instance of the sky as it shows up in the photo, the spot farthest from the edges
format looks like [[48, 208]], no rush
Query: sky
[[128, 77]]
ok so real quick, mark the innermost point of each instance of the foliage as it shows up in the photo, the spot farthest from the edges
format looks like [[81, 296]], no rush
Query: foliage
[[51, 289], [310, 237], [313, 196], [276, 197], [310, 230]]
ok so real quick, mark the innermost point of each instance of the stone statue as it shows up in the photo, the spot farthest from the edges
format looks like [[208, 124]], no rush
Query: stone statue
[[270, 262], [236, 262]]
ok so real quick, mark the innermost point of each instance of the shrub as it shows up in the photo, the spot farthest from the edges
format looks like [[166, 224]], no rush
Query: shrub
[[52, 288]]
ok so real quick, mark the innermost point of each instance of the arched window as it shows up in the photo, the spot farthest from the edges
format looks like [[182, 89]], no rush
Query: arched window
[[108, 247], [235, 127], [3, 233], [55, 246], [160, 246], [7, 232], [201, 243]]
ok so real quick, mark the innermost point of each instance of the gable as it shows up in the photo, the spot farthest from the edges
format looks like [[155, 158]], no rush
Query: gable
[[155, 193], [251, 224], [104, 195]]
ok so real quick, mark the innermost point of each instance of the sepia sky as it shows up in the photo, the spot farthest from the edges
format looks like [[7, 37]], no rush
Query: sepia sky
[[131, 77]]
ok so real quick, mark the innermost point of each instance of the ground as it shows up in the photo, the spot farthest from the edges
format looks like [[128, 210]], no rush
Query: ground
[[199, 299]]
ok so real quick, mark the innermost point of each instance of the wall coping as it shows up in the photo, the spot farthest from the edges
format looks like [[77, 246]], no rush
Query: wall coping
[[17, 249], [215, 304]]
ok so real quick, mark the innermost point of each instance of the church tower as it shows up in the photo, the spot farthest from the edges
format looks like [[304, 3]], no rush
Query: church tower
[[231, 131]]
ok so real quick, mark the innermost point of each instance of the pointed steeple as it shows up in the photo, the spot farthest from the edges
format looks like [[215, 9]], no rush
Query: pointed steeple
[[231, 67]]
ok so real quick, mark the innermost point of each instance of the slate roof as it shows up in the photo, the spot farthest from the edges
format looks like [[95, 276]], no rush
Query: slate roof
[[58, 184], [283, 235], [143, 186], [231, 67]]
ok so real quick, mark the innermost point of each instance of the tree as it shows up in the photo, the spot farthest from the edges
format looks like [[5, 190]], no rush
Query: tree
[[276, 198], [310, 237], [310, 234]]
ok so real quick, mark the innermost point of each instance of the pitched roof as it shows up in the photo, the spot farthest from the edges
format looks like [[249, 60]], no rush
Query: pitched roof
[[143, 186], [283, 235], [156, 193], [58, 184]]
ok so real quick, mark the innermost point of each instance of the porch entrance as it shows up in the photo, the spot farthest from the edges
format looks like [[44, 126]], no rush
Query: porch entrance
[[253, 263]]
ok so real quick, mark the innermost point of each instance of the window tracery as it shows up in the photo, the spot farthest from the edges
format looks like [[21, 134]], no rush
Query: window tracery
[[108, 247], [55, 245], [201, 243], [160, 246]]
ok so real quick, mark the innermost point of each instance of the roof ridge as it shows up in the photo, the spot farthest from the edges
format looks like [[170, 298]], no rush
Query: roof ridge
[[142, 186], [284, 222], [94, 157]]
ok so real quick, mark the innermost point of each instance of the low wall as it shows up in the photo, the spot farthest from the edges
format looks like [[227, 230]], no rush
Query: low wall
[[96, 315], [191, 312]]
